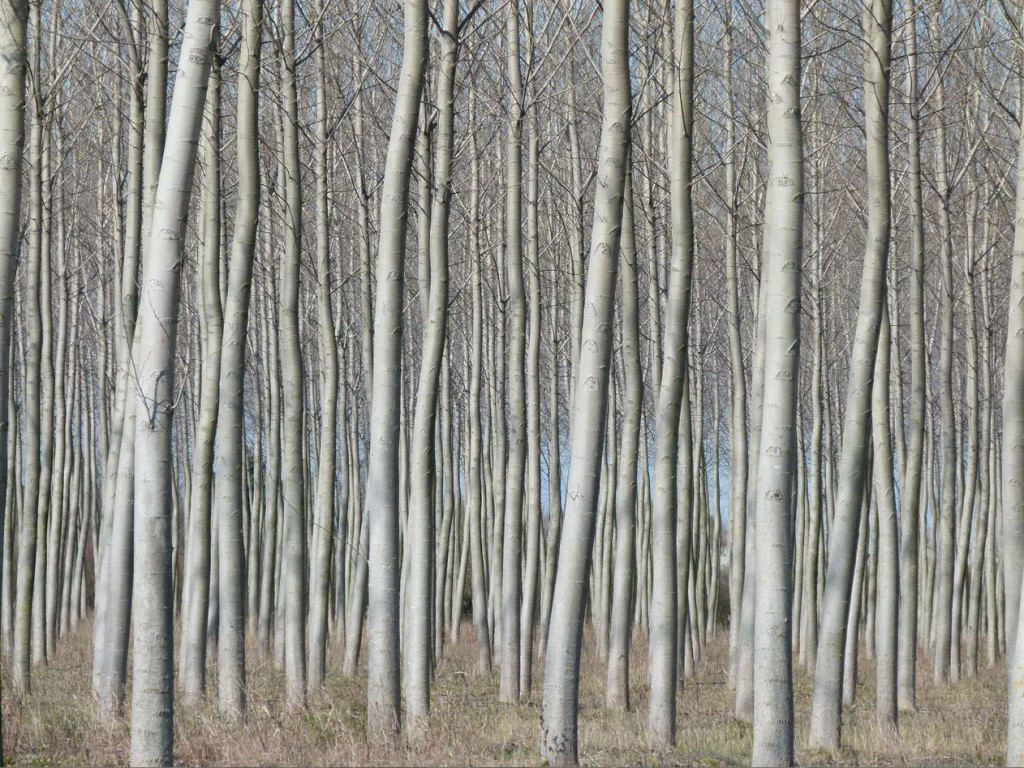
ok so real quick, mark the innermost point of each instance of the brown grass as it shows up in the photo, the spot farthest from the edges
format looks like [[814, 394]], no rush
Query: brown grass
[[56, 724]]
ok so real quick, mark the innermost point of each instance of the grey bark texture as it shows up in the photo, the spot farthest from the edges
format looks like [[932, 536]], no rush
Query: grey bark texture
[[515, 469], [231, 681], [777, 476], [13, 54], [293, 588], [621, 623], [424, 474], [33, 332], [197, 561], [826, 713], [671, 390], [1012, 487], [382, 497], [324, 501], [910, 498], [565, 634], [153, 667]]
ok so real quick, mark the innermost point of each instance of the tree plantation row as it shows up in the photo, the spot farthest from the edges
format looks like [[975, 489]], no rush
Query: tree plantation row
[[348, 324]]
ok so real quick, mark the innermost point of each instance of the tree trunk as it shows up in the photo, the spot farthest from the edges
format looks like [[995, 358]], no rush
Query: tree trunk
[[382, 492], [665, 598], [776, 477], [424, 475], [888, 538], [968, 533], [231, 469], [511, 573], [355, 606], [532, 502], [194, 641], [826, 713], [857, 598], [153, 667], [1012, 487], [946, 512], [554, 485], [474, 482], [910, 498], [738, 410], [621, 625], [293, 592], [114, 587], [33, 330], [590, 405], [13, 33], [324, 503]]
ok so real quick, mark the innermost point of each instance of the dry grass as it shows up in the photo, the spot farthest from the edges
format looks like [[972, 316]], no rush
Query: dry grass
[[56, 724]]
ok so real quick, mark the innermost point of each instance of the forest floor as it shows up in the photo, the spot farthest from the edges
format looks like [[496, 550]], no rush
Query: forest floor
[[56, 724]]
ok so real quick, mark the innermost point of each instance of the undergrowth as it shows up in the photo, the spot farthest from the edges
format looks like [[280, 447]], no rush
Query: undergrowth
[[56, 724]]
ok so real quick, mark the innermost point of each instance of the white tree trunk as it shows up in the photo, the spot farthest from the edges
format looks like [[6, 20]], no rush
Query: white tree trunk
[[877, 58], [13, 25], [231, 475], [475, 496], [125, 312], [665, 596], [382, 491], [888, 539], [776, 477], [738, 410], [515, 468], [826, 713], [153, 667], [324, 503], [33, 332], [532, 500], [590, 404], [1012, 487], [621, 619], [424, 473], [910, 496], [292, 593], [198, 543]]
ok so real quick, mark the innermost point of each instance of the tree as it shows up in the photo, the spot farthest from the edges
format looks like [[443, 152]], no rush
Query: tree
[[323, 511], [477, 539], [424, 474], [13, 32], [153, 669], [30, 533], [665, 597], [826, 713], [888, 536], [197, 561], [113, 620], [776, 480], [590, 403], [621, 625], [383, 694], [943, 605], [910, 498], [877, 59], [293, 562], [511, 581], [738, 411], [1013, 470], [231, 687]]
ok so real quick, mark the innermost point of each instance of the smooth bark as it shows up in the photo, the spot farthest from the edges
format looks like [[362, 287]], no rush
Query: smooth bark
[[776, 478], [565, 637], [382, 492], [153, 666], [665, 597]]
